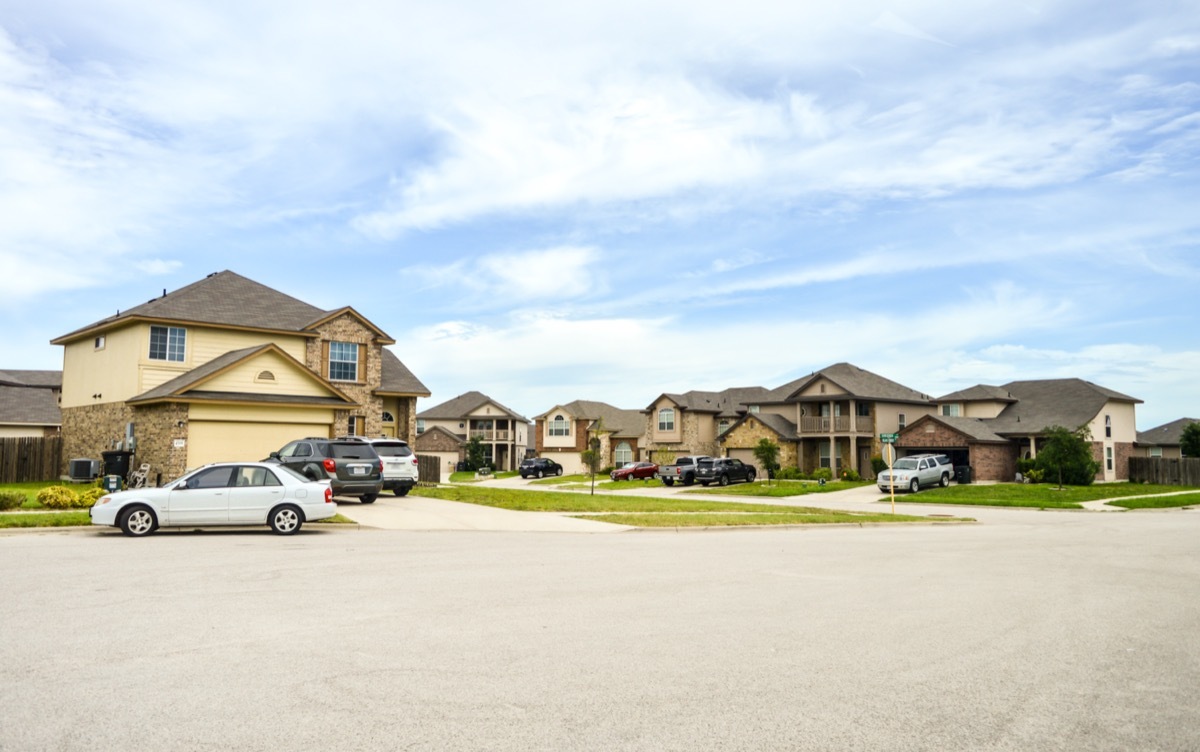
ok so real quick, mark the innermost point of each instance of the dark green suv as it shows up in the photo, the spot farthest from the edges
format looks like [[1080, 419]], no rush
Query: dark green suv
[[351, 466]]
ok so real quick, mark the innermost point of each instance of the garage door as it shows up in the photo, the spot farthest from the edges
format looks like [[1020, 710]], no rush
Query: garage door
[[747, 456], [227, 441]]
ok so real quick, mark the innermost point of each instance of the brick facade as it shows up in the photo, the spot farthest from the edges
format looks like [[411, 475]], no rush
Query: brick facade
[[90, 430], [993, 461], [690, 442], [749, 432], [347, 328], [1121, 454], [440, 442]]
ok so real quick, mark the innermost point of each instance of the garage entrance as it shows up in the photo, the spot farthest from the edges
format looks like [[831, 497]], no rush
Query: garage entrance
[[747, 457], [229, 441]]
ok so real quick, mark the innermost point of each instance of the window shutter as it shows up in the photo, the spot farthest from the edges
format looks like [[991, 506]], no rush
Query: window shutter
[[362, 364], [325, 359]]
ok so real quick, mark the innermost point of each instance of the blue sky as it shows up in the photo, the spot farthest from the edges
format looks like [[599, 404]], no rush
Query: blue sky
[[612, 200]]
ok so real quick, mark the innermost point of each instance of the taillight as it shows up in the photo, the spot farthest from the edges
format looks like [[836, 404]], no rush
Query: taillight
[[330, 465], [381, 466], [328, 495]]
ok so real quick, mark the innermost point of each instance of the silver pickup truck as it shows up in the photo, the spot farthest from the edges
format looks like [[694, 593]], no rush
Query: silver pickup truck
[[912, 472], [684, 470]]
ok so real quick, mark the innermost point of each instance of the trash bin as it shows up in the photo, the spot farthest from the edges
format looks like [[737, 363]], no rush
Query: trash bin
[[112, 483], [962, 474], [116, 462]]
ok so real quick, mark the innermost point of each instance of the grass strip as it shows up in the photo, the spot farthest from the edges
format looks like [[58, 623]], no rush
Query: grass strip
[[1035, 494], [45, 519], [779, 488], [1159, 502]]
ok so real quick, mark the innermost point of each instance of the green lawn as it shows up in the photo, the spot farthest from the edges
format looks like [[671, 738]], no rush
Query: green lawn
[[469, 476], [1041, 495], [651, 511], [1159, 502], [558, 480], [779, 488], [31, 490], [73, 518]]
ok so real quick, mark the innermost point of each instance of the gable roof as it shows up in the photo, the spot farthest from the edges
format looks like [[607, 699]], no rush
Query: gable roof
[[459, 438], [782, 427], [224, 299], [185, 385], [23, 404], [1041, 404], [975, 429], [979, 393], [617, 421], [730, 402], [1168, 434], [41, 379], [395, 377], [857, 382], [463, 405]]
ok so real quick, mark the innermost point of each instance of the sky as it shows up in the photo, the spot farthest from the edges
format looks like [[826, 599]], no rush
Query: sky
[[612, 200]]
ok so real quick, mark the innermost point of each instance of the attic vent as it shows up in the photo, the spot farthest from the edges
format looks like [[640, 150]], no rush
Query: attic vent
[[928, 428], [265, 376], [822, 389]]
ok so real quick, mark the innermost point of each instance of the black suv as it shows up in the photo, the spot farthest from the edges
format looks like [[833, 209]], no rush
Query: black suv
[[722, 470], [539, 467], [352, 466]]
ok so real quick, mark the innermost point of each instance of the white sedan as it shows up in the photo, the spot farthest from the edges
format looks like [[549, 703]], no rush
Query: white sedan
[[226, 493]]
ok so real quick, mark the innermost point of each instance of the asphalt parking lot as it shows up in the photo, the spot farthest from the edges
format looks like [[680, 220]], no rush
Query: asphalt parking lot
[[1031, 630]]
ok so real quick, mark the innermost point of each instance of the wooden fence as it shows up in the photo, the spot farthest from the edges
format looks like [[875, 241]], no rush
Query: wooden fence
[[1167, 472], [29, 459], [430, 468]]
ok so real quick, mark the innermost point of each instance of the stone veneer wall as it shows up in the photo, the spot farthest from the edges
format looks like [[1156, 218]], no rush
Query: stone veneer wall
[[747, 435], [347, 328], [90, 430], [690, 442]]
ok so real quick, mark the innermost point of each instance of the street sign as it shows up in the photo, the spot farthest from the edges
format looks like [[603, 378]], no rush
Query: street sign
[[889, 438], [889, 454]]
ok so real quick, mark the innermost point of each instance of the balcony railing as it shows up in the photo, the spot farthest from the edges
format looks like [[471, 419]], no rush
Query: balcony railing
[[835, 424], [485, 435]]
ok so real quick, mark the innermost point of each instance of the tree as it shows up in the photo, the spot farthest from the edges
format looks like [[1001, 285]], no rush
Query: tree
[[591, 459], [1067, 456], [476, 457], [767, 454], [1189, 440], [664, 456]]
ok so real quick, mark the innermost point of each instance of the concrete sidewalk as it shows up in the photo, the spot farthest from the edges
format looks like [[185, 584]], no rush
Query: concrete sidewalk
[[417, 513]]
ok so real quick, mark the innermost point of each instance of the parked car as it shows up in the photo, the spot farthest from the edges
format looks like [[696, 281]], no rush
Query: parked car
[[634, 471], [400, 472], [684, 470], [723, 471], [915, 471], [539, 467], [225, 493], [351, 465]]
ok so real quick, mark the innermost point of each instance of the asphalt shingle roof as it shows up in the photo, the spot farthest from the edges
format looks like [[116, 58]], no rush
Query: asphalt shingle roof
[[462, 406], [397, 379], [618, 421], [857, 382], [1168, 434], [1041, 404], [979, 393], [22, 404], [976, 429], [47, 379]]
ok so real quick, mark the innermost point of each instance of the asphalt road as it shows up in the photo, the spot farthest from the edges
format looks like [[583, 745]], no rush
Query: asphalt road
[[1036, 631]]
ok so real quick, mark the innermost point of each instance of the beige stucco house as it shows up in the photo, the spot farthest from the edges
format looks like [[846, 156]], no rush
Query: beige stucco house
[[443, 431], [564, 431], [1163, 441], [228, 369], [29, 403]]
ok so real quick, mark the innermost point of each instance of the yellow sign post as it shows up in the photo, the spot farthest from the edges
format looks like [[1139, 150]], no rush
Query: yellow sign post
[[889, 454]]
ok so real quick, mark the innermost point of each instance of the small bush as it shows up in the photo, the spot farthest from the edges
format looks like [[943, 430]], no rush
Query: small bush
[[1025, 465], [851, 474], [11, 499], [1035, 476], [58, 497], [89, 497], [822, 473], [789, 473], [878, 464]]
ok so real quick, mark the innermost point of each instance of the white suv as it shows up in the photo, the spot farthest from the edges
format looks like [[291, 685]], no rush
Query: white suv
[[400, 472], [917, 470]]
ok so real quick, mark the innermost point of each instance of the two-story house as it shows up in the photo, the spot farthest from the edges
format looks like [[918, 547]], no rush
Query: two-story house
[[29, 403], [693, 422], [228, 369], [564, 432], [830, 418], [443, 431]]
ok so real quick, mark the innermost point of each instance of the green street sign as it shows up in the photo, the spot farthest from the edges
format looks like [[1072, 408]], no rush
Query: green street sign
[[889, 438]]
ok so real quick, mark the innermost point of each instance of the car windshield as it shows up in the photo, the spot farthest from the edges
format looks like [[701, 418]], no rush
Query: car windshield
[[352, 451], [905, 464], [391, 450]]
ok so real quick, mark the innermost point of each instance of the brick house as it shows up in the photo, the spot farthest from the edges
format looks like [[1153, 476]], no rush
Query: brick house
[[443, 431], [563, 432], [228, 369]]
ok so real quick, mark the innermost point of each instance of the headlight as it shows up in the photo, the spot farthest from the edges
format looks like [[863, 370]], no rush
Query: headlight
[[104, 500]]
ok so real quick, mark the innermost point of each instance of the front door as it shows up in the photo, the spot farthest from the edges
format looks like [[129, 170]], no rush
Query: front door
[[203, 499]]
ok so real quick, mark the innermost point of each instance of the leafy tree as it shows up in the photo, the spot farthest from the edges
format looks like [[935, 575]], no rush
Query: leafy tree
[[767, 454], [664, 457], [591, 460], [1189, 440], [1067, 456], [476, 456]]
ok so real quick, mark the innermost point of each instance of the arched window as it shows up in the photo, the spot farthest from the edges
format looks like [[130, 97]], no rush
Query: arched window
[[388, 417], [623, 453], [559, 426], [666, 419]]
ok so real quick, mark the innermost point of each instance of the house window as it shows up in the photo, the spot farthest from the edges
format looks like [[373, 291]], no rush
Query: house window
[[623, 454], [388, 417], [666, 419], [98, 343], [952, 411], [356, 424], [167, 343], [863, 409], [420, 425], [903, 421], [825, 454], [343, 361], [1156, 451], [1108, 428], [722, 426], [559, 426], [1108, 457], [754, 408]]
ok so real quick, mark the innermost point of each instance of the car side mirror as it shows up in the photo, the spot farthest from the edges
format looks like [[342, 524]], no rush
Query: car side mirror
[[274, 455]]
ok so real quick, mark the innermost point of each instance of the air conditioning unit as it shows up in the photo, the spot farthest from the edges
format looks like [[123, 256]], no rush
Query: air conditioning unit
[[84, 469]]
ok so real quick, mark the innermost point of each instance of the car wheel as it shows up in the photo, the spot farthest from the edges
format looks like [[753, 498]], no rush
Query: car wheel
[[724, 481], [558, 471], [540, 473], [750, 477], [138, 521], [286, 520], [914, 486], [689, 480], [400, 491], [945, 480], [368, 498], [668, 481]]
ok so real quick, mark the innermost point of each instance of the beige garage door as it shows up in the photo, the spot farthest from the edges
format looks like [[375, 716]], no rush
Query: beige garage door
[[747, 456], [225, 441]]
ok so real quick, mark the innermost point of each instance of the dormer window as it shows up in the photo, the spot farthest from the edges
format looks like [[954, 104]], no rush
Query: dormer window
[[559, 426], [666, 419], [168, 343]]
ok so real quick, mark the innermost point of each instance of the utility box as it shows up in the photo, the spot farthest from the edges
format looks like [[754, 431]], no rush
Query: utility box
[[116, 462], [112, 483], [962, 473]]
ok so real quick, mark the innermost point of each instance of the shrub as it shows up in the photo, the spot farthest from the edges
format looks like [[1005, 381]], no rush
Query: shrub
[[822, 473], [878, 464], [11, 499], [1035, 476], [57, 497], [851, 474], [1025, 465], [789, 473], [90, 496]]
